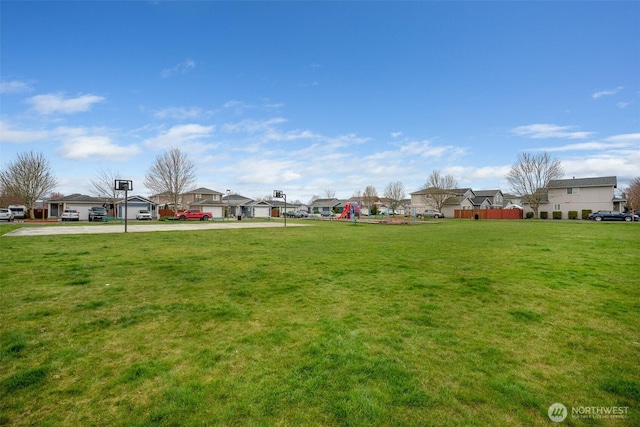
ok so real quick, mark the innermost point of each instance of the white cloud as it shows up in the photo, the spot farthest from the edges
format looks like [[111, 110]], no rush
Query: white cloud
[[10, 135], [252, 126], [14, 86], [627, 138], [57, 103], [81, 143], [189, 135], [542, 131], [585, 146], [182, 113], [267, 171], [181, 68], [602, 93]]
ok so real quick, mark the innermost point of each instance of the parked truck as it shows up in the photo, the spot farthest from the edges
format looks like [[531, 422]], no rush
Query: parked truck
[[193, 214]]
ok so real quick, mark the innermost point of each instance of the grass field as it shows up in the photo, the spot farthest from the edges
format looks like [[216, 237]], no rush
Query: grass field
[[445, 323]]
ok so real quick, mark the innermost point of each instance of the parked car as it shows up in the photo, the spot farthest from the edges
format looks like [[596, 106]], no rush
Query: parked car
[[193, 214], [6, 214], [612, 216], [431, 213], [70, 215], [302, 214], [143, 214], [97, 213], [19, 211]]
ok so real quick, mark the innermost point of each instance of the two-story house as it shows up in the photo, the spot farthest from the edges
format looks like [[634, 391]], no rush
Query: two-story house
[[577, 194]]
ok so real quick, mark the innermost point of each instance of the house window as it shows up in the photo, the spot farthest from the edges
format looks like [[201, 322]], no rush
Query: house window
[[556, 207], [216, 197], [573, 190]]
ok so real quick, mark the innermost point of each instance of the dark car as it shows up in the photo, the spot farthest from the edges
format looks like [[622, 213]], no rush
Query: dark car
[[97, 213], [612, 216]]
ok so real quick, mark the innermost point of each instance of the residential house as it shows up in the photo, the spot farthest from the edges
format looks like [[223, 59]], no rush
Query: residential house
[[458, 198], [185, 200], [278, 207], [80, 202], [577, 194], [260, 209], [217, 208], [494, 198], [198, 195], [133, 205], [237, 205], [327, 206]]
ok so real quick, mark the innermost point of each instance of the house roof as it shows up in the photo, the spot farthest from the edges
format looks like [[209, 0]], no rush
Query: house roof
[[236, 200], [78, 198], [207, 202], [140, 198], [203, 190], [601, 181], [487, 193], [260, 202], [326, 203], [426, 191]]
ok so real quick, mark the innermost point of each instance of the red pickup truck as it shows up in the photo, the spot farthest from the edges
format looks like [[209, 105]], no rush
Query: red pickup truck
[[193, 214]]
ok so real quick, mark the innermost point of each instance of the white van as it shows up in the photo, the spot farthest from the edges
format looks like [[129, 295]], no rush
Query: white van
[[19, 211]]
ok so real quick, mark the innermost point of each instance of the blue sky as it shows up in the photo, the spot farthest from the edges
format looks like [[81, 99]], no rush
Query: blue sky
[[308, 96]]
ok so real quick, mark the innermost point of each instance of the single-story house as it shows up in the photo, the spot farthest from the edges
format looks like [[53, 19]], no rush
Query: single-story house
[[327, 205], [260, 209], [80, 202], [134, 204], [237, 205]]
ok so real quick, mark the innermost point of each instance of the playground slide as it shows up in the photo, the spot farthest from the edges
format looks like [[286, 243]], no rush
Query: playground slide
[[345, 212]]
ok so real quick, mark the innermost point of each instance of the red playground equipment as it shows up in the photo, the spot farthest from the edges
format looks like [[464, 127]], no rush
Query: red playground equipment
[[351, 210]]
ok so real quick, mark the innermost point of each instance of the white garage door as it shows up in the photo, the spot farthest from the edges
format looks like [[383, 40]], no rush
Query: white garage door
[[82, 209], [132, 209], [261, 212]]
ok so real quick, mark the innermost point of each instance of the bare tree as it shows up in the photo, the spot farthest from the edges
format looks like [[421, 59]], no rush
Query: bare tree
[[171, 174], [330, 193], [394, 193], [104, 186], [439, 188], [632, 194], [369, 197], [28, 179], [530, 175]]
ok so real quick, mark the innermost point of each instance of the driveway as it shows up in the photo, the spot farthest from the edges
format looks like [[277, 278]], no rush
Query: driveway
[[142, 228]]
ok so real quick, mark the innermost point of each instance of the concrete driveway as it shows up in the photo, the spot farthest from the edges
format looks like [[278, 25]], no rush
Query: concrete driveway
[[143, 228]]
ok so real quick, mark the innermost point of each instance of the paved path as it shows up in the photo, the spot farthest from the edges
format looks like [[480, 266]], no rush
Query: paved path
[[140, 228]]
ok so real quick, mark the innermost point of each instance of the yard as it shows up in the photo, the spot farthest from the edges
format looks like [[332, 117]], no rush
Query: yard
[[453, 322]]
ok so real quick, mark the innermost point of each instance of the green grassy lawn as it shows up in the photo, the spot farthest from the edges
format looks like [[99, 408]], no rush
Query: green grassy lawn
[[446, 323]]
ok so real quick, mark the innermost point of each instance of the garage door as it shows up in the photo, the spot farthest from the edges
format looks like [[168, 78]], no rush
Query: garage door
[[261, 212], [132, 209], [82, 209]]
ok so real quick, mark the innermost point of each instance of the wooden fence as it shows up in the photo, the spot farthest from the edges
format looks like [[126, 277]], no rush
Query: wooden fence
[[488, 213]]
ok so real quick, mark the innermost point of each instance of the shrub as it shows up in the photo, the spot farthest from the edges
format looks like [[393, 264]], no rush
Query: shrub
[[573, 214], [585, 213], [529, 215], [557, 215], [544, 215]]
